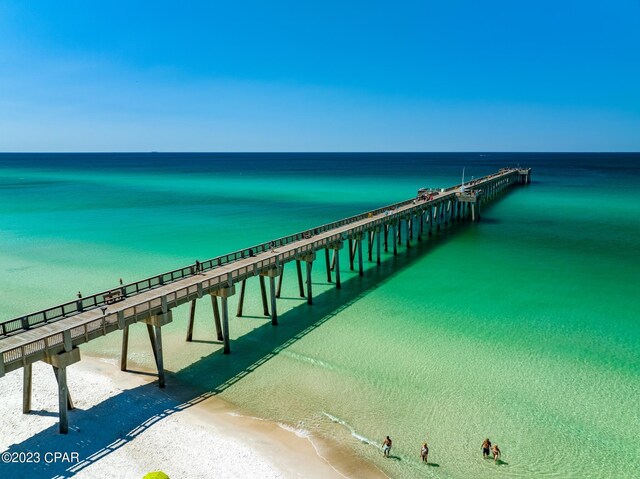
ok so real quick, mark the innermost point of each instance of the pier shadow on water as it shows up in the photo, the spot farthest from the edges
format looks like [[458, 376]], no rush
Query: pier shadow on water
[[104, 428]]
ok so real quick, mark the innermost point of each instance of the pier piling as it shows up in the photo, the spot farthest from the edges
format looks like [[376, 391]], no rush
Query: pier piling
[[328, 264], [192, 316], [336, 257], [300, 282], [154, 329], [216, 318], [263, 295], [224, 295], [243, 285], [60, 362], [394, 235], [360, 265], [125, 348], [26, 388]]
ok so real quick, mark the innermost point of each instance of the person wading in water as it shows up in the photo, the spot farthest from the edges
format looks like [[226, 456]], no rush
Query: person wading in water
[[386, 446], [486, 448], [424, 452]]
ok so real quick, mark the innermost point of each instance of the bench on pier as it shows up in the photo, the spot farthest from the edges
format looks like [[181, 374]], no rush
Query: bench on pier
[[113, 296]]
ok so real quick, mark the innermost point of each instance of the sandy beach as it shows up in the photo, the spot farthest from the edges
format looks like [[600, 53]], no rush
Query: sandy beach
[[124, 426]]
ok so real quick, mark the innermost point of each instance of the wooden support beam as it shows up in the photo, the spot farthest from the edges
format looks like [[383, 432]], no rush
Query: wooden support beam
[[125, 349], [192, 316], [243, 285], [300, 282], [26, 388], [224, 295], [378, 245], [370, 237], [386, 238], [159, 359], [60, 362], [351, 254], [216, 318], [327, 262], [399, 232], [407, 223], [309, 293], [63, 394], [333, 260], [263, 295], [56, 372], [152, 339], [225, 324], [280, 282], [336, 257], [360, 265], [272, 291], [395, 243], [154, 329]]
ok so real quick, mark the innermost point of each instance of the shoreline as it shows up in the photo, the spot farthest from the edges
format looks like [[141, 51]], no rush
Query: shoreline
[[124, 424]]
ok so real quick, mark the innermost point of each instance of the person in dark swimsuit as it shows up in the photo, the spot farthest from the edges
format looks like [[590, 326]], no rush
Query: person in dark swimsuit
[[486, 448]]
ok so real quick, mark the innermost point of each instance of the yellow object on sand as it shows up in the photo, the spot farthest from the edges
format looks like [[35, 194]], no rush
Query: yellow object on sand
[[156, 475]]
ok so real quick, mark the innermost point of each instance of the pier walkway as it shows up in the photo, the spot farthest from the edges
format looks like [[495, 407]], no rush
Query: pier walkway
[[54, 334]]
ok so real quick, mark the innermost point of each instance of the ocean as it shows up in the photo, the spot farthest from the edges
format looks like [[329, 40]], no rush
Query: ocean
[[522, 328]]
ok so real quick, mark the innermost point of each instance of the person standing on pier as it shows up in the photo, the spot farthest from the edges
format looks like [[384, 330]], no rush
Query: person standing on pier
[[197, 266], [386, 447]]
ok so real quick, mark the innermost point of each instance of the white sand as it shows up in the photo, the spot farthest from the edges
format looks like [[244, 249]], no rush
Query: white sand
[[125, 426]]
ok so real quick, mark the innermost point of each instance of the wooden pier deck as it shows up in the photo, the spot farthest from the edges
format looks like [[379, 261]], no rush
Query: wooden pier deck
[[54, 334]]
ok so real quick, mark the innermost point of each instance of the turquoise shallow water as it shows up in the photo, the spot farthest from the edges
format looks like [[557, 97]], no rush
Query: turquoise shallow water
[[522, 328]]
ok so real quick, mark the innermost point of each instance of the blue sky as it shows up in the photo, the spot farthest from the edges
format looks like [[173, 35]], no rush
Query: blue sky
[[446, 75]]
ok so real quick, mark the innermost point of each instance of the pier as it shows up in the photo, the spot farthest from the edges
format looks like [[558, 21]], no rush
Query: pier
[[54, 335]]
